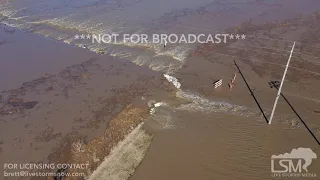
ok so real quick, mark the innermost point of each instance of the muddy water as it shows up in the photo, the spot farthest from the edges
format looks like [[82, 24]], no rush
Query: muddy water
[[76, 91], [62, 20], [222, 144], [219, 146], [19, 64]]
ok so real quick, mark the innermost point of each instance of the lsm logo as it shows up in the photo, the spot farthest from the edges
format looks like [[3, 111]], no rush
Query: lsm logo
[[293, 164]]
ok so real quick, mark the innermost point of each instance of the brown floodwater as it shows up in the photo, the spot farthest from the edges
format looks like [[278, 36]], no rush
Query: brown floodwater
[[220, 146], [207, 140]]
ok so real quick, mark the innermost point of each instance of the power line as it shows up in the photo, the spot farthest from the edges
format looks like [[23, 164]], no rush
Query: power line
[[251, 36], [312, 72], [297, 58], [277, 64], [186, 27], [245, 58], [210, 52], [297, 114], [265, 48], [310, 99], [254, 37], [307, 55], [287, 93], [237, 47], [309, 45], [258, 46], [258, 50], [295, 95], [300, 59]]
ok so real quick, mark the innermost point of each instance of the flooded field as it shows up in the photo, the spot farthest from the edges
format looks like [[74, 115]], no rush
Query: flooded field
[[142, 111]]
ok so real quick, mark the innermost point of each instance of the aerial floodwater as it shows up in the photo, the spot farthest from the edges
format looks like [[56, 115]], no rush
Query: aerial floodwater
[[155, 90]]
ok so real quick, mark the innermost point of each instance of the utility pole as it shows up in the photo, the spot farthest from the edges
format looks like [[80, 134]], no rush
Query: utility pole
[[279, 90]]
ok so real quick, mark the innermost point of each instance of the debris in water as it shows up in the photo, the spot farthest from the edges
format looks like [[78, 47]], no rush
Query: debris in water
[[158, 104], [173, 80], [152, 111], [151, 103]]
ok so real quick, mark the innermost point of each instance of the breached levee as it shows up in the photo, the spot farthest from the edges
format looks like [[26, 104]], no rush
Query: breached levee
[[202, 104], [125, 157]]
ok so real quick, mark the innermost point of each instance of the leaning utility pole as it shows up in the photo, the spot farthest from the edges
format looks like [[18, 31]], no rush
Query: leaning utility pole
[[279, 90]]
